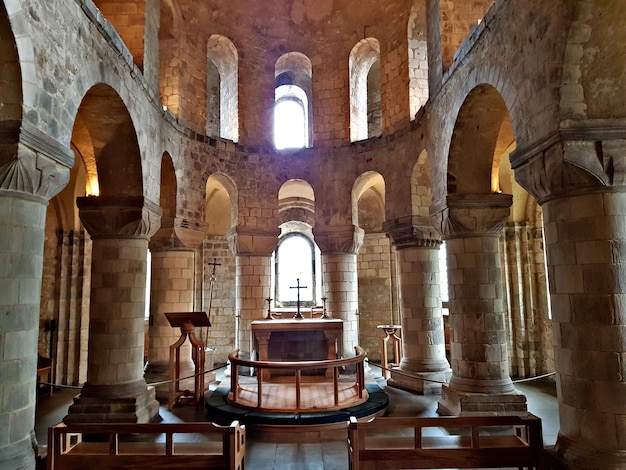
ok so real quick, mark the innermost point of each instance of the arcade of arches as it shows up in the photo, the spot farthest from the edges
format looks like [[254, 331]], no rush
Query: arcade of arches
[[137, 143]]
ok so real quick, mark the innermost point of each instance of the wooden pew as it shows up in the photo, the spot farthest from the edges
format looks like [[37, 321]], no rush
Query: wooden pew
[[146, 445], [45, 370], [467, 442]]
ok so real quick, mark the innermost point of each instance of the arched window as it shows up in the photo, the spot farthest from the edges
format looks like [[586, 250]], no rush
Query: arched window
[[290, 118], [365, 90], [222, 89], [292, 98], [296, 259]]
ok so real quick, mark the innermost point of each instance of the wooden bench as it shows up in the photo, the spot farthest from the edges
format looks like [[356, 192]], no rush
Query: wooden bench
[[459, 442], [45, 370], [146, 445]]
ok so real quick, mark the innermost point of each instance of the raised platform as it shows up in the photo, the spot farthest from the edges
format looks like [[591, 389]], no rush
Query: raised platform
[[221, 411]]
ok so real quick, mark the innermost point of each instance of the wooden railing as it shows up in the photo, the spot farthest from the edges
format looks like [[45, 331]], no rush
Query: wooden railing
[[332, 368], [467, 442], [141, 445]]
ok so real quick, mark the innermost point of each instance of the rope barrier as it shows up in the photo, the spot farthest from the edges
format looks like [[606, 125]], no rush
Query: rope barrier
[[397, 371], [401, 372], [153, 384]]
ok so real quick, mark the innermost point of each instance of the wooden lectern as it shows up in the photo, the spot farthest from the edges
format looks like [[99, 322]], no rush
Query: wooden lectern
[[187, 321]]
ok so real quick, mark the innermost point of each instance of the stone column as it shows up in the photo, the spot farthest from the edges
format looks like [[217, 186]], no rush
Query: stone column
[[584, 208], [171, 290], [339, 246], [480, 381], [115, 390], [586, 244], [253, 275], [423, 367], [30, 174]]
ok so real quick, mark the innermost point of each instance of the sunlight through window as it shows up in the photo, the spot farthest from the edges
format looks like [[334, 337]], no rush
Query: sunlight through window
[[290, 118]]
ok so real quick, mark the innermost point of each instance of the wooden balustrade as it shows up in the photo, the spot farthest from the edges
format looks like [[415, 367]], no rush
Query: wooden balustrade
[[358, 395]]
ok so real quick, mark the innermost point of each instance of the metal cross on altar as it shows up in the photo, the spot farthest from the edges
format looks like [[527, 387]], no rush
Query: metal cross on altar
[[298, 286]]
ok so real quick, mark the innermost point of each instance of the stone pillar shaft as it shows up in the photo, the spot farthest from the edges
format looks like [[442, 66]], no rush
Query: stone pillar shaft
[[21, 254], [252, 273], [340, 246], [586, 245], [340, 280], [422, 318], [253, 286], [115, 390], [423, 367], [478, 346], [171, 290], [117, 313], [480, 383]]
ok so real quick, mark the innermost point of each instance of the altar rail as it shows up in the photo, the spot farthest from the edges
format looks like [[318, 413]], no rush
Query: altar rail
[[113, 446], [333, 366], [472, 442]]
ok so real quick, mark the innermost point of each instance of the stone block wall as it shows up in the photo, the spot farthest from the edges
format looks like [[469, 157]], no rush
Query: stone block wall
[[375, 292], [221, 334]]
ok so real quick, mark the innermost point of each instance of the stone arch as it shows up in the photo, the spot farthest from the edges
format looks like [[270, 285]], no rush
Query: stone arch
[[222, 88], [221, 204], [368, 201], [481, 126], [364, 68], [106, 131], [296, 202], [294, 71], [418, 59]]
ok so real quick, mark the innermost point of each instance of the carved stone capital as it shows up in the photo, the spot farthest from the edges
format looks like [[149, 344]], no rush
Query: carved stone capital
[[32, 162], [177, 236], [339, 239], [579, 157], [244, 241], [412, 232], [467, 215], [119, 216]]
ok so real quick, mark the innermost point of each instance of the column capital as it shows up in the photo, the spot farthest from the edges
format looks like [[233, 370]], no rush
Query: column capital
[[346, 239], [412, 232], [246, 241], [579, 157], [119, 216], [178, 236], [468, 215], [32, 162]]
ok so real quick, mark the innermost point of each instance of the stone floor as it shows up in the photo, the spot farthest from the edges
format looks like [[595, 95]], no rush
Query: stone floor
[[314, 450]]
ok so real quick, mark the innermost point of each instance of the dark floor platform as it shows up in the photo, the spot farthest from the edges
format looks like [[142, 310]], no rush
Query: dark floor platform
[[220, 411]]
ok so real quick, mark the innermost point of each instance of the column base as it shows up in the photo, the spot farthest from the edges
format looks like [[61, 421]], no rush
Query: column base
[[575, 455], [455, 403], [140, 408], [423, 383], [18, 456]]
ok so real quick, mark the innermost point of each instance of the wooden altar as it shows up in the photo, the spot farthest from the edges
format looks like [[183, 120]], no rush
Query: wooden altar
[[307, 339]]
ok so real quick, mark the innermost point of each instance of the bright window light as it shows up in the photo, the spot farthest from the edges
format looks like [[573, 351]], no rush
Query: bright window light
[[290, 118]]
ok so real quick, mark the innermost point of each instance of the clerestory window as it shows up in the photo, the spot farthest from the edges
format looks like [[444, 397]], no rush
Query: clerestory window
[[290, 118]]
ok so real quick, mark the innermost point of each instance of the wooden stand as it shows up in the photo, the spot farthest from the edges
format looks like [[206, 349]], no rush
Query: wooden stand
[[187, 321], [390, 333]]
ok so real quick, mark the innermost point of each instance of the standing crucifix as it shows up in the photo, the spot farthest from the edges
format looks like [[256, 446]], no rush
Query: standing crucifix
[[215, 264], [298, 315]]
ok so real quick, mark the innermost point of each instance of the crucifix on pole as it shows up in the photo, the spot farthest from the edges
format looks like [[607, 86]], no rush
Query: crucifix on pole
[[215, 264], [298, 286]]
